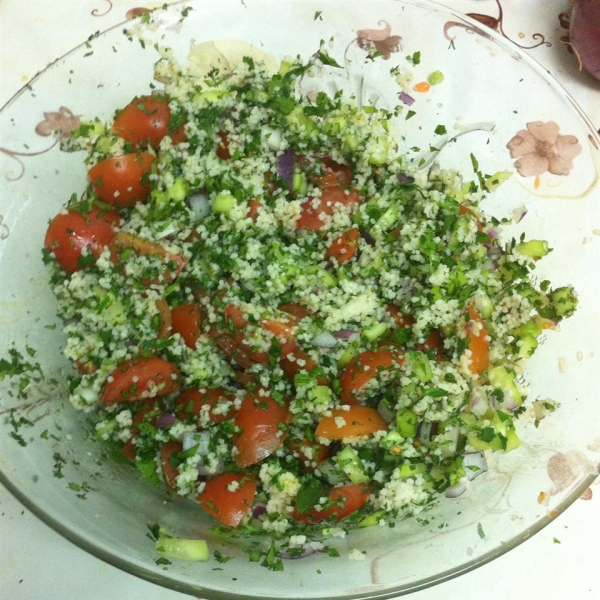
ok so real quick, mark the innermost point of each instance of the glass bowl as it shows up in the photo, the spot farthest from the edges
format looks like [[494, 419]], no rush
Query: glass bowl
[[492, 93]]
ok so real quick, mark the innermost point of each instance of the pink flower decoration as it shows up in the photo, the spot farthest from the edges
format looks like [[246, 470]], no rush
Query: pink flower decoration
[[540, 149], [62, 123], [382, 39]]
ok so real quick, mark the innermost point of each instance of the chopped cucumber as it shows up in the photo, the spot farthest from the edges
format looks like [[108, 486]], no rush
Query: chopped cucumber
[[483, 304], [223, 203], [179, 191], [321, 395], [527, 345], [372, 519], [210, 96], [194, 550], [349, 463], [300, 184], [392, 442], [533, 248], [348, 355], [420, 365], [406, 423], [502, 379], [375, 331], [386, 221], [408, 469], [299, 120]]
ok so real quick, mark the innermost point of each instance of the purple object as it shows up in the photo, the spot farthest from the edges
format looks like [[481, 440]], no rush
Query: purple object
[[404, 178], [165, 420], [285, 167], [344, 334], [408, 100]]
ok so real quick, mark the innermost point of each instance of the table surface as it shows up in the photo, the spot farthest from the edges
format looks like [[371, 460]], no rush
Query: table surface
[[558, 563]]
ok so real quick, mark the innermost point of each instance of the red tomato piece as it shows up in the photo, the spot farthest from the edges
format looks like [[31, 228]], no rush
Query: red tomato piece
[[223, 147], [140, 378], [232, 347], [253, 207], [145, 120], [68, 234], [123, 241], [435, 342], [229, 507], [236, 315], [296, 310], [335, 174], [291, 367], [284, 331], [138, 418], [364, 368], [341, 502], [309, 453], [260, 420], [331, 198], [122, 180], [186, 320], [344, 247], [359, 420], [479, 345], [165, 315], [245, 379], [190, 402], [170, 471], [399, 319]]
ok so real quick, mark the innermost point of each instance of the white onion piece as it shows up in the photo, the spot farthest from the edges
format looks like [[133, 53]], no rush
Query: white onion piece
[[196, 438], [385, 412], [474, 464], [324, 340], [450, 439], [508, 402], [170, 229], [217, 469], [456, 490], [200, 205], [478, 402], [519, 213]]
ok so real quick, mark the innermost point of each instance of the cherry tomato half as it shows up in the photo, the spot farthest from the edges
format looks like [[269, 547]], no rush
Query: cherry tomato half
[[145, 120], [344, 247], [122, 180], [479, 345], [228, 497], [341, 502], [262, 428], [310, 454], [140, 378], [191, 402], [68, 234], [170, 471], [365, 367], [186, 320], [359, 420]]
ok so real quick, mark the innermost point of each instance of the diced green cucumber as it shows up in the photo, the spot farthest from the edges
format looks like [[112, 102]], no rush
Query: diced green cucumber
[[323, 275], [375, 331], [392, 442], [409, 469], [107, 427], [350, 352], [386, 222], [110, 308], [223, 203], [321, 395], [501, 379], [299, 120], [406, 423], [379, 151], [349, 462], [483, 304], [300, 183], [257, 96], [210, 96], [436, 78], [351, 142], [334, 125], [564, 301], [533, 248], [527, 345], [420, 365], [372, 519], [493, 182], [194, 550], [179, 191]]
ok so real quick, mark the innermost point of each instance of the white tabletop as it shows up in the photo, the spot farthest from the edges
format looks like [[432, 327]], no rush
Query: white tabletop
[[561, 562]]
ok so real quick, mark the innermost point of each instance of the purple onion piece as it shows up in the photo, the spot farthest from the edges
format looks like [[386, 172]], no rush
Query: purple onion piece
[[285, 167], [165, 420], [493, 233], [344, 334], [259, 510], [456, 490], [478, 402], [406, 98], [519, 213], [365, 235], [508, 402], [474, 464], [404, 178]]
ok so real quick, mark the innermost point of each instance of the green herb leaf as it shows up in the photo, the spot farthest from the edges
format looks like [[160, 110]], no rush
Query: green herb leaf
[[309, 494]]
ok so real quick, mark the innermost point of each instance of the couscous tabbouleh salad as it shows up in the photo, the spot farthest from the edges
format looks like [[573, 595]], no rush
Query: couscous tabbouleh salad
[[273, 315]]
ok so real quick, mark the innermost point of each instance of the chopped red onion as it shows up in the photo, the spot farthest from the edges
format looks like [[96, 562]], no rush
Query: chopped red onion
[[478, 402], [456, 490], [285, 167], [584, 33], [519, 213], [285, 554], [259, 510], [385, 412], [493, 233], [508, 402], [344, 334], [200, 205], [324, 340], [165, 420], [404, 178], [474, 464], [406, 98], [365, 235]]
